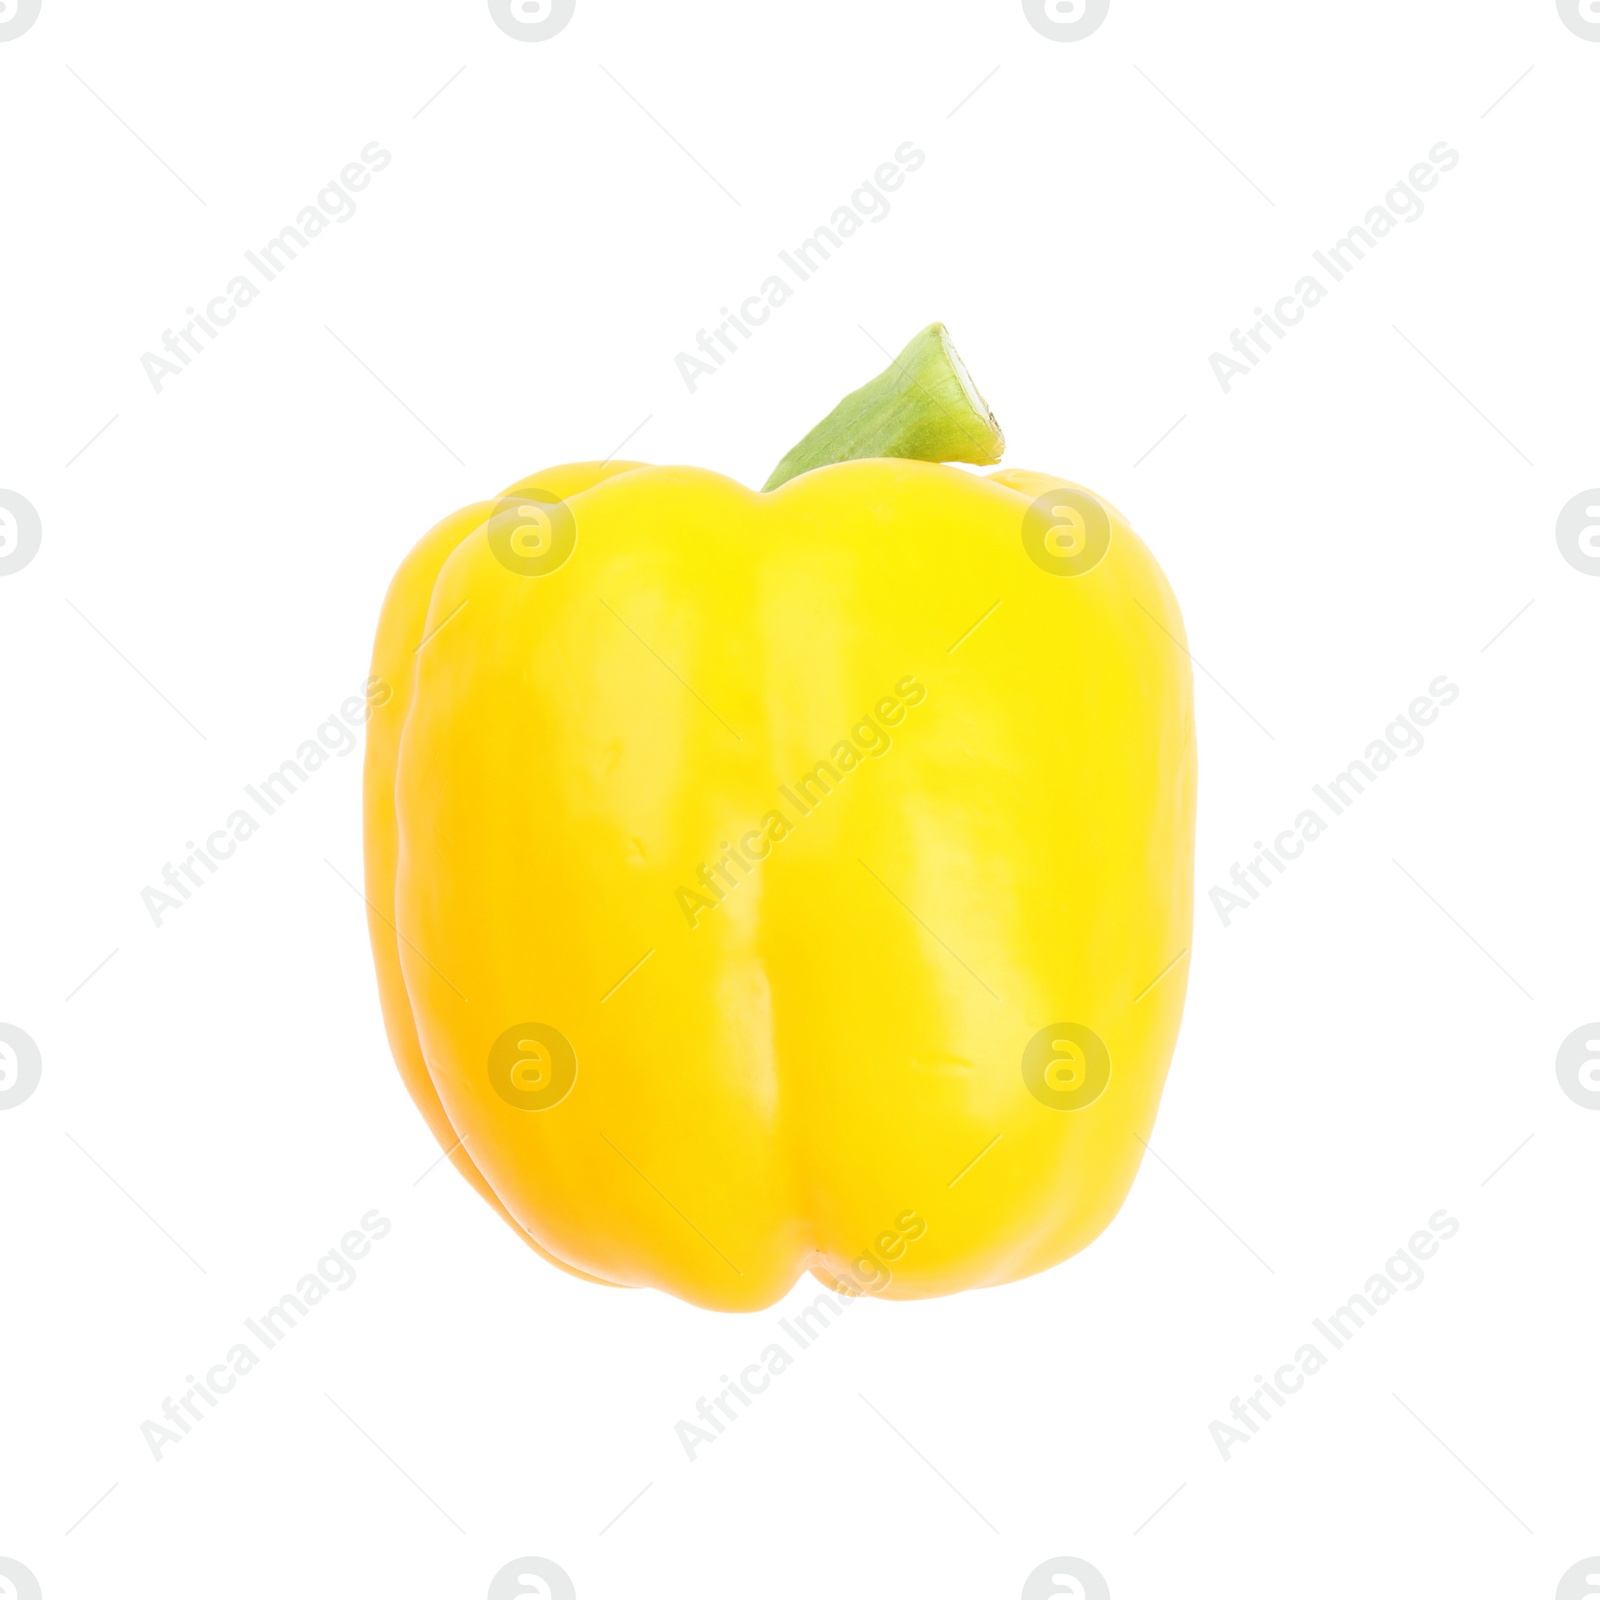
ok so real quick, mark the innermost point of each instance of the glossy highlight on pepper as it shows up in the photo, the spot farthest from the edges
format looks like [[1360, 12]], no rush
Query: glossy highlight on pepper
[[765, 883]]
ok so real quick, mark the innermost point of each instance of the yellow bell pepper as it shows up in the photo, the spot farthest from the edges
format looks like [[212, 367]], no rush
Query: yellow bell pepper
[[790, 881]]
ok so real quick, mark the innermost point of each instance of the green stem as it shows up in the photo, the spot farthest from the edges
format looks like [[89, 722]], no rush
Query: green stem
[[923, 406]]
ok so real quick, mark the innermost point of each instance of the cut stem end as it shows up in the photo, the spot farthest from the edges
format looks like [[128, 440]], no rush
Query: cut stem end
[[923, 406]]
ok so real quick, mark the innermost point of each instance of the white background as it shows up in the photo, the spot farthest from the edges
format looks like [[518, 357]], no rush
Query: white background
[[1369, 1043]]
